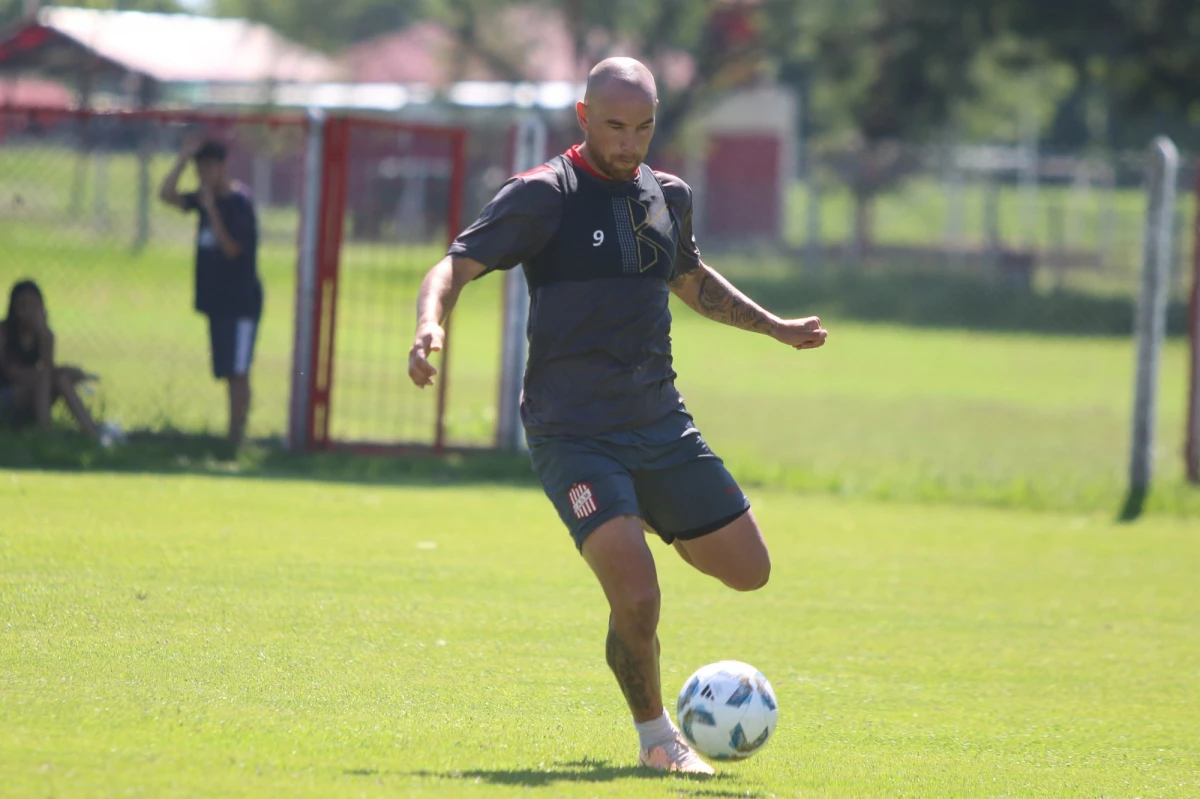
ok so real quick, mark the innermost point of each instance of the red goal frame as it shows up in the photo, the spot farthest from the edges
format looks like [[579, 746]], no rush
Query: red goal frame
[[316, 330]]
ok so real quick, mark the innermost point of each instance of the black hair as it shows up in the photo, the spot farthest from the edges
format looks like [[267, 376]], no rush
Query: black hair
[[12, 328], [212, 150]]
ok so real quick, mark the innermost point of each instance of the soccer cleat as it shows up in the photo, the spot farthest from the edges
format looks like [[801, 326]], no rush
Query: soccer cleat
[[674, 755]]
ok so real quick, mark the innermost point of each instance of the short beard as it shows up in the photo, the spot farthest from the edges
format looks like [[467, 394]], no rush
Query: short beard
[[613, 172]]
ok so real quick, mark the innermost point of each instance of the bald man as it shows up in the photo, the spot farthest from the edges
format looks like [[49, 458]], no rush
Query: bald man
[[604, 240]]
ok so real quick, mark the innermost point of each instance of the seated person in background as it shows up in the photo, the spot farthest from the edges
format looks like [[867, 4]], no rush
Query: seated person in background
[[30, 383]]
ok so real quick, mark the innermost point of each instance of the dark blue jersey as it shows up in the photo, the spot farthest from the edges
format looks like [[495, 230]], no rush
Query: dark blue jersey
[[227, 287], [598, 256]]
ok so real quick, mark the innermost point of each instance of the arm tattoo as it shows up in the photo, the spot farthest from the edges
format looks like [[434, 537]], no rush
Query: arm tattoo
[[630, 674], [721, 302], [680, 279]]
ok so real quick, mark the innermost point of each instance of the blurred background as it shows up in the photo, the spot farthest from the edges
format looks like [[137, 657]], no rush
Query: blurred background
[[958, 187]]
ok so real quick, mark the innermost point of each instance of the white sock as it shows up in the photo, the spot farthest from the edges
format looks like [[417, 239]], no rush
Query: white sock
[[656, 731]]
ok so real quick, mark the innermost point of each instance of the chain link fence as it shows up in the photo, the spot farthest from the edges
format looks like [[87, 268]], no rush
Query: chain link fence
[[80, 215], [1035, 221], [402, 189]]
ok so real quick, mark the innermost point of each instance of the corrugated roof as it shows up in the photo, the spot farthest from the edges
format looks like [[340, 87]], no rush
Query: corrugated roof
[[181, 48]]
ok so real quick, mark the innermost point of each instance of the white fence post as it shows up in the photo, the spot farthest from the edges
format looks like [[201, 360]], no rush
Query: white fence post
[[1152, 313], [306, 284], [530, 151]]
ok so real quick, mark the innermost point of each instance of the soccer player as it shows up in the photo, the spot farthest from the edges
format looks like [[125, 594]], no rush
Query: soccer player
[[603, 240], [228, 289]]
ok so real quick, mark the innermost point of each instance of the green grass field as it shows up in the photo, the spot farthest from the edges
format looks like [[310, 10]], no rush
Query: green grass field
[[223, 636]]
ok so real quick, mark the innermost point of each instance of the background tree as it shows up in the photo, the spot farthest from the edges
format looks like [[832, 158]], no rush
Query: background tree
[[328, 26], [1135, 63], [893, 71]]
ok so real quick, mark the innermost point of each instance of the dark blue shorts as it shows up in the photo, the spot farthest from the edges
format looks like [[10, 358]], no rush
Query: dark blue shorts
[[231, 340], [665, 473]]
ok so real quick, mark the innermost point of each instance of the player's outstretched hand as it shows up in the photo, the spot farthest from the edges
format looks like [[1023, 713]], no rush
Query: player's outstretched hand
[[429, 340], [803, 334]]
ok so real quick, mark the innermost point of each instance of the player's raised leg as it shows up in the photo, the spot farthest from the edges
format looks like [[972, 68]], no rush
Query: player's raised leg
[[697, 506], [618, 554], [736, 554]]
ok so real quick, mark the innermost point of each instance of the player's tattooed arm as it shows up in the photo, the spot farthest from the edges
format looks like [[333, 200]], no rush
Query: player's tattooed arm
[[711, 295]]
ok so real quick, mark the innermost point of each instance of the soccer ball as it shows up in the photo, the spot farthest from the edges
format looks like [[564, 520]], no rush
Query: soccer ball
[[727, 710]]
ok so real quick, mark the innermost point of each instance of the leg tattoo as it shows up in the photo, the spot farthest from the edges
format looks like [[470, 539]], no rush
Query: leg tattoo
[[637, 676]]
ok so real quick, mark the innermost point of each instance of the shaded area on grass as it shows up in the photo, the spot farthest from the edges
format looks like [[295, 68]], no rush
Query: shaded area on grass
[[67, 451], [585, 771], [156, 454]]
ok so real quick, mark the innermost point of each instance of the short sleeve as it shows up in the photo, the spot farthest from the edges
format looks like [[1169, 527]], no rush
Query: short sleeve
[[687, 256], [679, 196], [516, 225]]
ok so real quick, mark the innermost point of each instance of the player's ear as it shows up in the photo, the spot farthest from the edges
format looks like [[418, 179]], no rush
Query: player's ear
[[581, 114]]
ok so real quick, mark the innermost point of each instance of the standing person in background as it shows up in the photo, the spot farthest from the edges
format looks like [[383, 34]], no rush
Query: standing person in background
[[228, 289]]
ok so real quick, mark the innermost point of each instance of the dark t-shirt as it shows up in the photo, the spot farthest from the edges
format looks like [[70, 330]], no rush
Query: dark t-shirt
[[227, 287], [598, 255], [15, 353]]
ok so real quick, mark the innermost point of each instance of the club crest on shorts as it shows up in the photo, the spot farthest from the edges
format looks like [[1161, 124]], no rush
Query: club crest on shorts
[[583, 501]]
